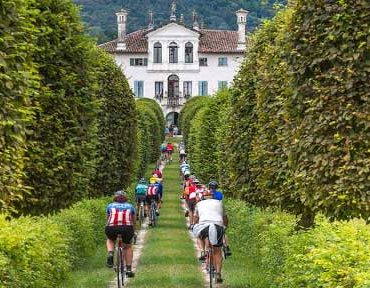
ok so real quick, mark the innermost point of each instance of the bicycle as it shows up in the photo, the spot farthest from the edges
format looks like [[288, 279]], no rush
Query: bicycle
[[140, 213], [153, 213], [120, 251], [210, 266]]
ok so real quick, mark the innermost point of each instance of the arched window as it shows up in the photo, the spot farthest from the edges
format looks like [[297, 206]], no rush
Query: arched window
[[188, 53], [173, 50], [157, 57]]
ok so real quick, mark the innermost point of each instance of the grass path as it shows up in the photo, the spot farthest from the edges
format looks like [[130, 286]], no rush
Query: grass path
[[169, 259]]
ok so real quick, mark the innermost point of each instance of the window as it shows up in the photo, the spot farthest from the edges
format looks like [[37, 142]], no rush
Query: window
[[157, 57], [203, 62], [188, 53], [173, 52], [139, 89], [222, 61], [203, 88], [158, 86], [138, 61], [187, 89], [222, 85]]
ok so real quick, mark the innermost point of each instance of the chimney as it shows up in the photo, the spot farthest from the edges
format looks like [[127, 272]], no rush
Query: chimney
[[182, 21], [195, 21], [151, 20], [121, 22], [242, 21]]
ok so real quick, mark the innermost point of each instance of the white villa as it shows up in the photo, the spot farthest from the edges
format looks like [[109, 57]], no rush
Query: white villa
[[172, 63]]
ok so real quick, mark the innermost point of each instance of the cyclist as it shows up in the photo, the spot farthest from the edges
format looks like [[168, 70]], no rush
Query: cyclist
[[211, 221], [120, 220], [152, 194], [191, 201], [212, 186], [182, 154], [157, 172], [140, 192], [169, 149], [163, 151], [183, 168]]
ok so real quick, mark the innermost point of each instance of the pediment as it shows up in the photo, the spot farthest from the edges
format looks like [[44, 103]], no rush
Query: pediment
[[173, 30]]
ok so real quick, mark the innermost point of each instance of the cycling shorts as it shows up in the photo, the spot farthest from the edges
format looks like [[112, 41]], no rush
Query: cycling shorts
[[220, 234], [149, 198], [191, 204], [127, 233], [140, 198]]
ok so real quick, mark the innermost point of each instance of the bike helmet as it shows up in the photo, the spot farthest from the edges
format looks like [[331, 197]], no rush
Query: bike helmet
[[142, 180], [120, 196], [212, 185], [195, 181], [187, 173]]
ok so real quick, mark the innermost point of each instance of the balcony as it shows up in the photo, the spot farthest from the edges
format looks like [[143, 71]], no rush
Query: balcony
[[174, 102]]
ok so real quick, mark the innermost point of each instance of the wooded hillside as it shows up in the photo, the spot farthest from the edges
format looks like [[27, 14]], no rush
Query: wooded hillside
[[217, 14]]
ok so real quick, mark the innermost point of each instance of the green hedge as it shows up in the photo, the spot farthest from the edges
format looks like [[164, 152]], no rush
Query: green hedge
[[205, 135], [62, 158], [330, 255], [117, 129], [38, 252], [188, 112], [299, 125], [18, 81]]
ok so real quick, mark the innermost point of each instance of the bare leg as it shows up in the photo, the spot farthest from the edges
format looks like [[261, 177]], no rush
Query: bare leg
[[129, 254], [110, 245], [217, 258]]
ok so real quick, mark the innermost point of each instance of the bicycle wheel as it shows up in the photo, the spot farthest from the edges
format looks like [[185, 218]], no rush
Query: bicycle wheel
[[120, 268], [153, 214], [211, 270]]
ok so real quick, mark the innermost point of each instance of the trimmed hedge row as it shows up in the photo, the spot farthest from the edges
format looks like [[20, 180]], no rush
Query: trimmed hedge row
[[331, 255], [150, 133], [39, 251], [188, 113], [68, 125], [18, 80]]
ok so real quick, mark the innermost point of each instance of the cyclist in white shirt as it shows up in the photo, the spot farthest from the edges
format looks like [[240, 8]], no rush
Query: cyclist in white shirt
[[211, 220]]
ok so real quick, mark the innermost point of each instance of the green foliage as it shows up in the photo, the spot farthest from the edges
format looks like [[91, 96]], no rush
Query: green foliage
[[329, 255], [62, 157], [301, 142], [188, 112], [38, 252], [216, 14], [150, 133], [17, 85], [117, 129], [203, 144]]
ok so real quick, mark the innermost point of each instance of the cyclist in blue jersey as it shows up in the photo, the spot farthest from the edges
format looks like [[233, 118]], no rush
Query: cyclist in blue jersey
[[140, 192], [120, 220]]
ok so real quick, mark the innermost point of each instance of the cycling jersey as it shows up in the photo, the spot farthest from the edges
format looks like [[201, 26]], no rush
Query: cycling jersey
[[163, 148], [160, 188], [152, 190], [169, 147], [141, 189], [120, 214]]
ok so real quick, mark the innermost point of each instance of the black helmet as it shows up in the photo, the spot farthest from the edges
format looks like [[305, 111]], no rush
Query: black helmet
[[120, 196], [142, 180], [212, 185]]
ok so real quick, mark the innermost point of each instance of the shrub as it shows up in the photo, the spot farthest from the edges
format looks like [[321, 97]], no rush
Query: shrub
[[117, 129]]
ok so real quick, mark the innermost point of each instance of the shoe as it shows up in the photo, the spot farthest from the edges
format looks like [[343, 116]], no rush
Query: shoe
[[202, 256], [130, 274], [190, 227], [110, 261], [228, 251], [157, 212], [218, 278], [186, 213]]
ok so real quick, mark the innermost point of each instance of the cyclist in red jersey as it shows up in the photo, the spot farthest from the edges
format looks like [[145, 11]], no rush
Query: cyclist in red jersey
[[120, 220]]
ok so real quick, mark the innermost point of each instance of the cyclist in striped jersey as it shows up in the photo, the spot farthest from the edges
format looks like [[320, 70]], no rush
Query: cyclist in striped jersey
[[152, 194], [120, 220]]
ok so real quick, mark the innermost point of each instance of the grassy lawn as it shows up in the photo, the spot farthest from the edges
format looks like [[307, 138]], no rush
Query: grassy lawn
[[169, 258]]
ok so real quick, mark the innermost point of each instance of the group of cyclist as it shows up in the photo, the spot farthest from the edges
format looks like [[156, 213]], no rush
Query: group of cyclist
[[207, 216], [122, 216], [167, 151]]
